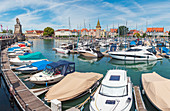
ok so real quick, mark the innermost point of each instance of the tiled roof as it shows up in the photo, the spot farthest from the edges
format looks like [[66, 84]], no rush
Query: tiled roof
[[84, 29], [92, 30], [39, 31], [155, 29], [63, 30], [113, 30]]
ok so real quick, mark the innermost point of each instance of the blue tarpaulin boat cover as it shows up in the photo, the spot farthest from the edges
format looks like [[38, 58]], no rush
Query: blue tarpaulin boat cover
[[13, 48], [41, 64], [32, 56], [164, 50], [62, 63], [132, 43]]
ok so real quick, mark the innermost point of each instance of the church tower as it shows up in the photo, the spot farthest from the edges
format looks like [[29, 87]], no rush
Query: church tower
[[98, 30]]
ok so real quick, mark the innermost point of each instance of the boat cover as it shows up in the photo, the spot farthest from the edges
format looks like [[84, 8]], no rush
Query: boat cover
[[72, 86], [13, 48], [157, 89], [62, 63], [41, 64], [32, 56], [132, 43]]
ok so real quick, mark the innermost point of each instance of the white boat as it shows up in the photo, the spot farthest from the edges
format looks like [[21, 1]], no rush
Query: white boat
[[53, 72], [34, 67], [89, 52], [64, 48], [135, 53], [114, 93], [27, 59]]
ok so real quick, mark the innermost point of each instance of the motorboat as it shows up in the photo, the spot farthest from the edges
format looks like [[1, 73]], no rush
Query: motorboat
[[27, 59], [89, 52], [13, 49], [114, 93], [64, 48], [74, 86], [34, 67], [137, 53], [53, 72], [157, 89], [20, 52]]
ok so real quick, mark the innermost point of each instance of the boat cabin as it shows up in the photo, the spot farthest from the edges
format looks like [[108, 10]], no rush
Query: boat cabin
[[61, 67]]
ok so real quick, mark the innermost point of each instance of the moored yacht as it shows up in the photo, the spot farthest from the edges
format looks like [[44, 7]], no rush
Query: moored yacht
[[114, 93], [53, 72], [135, 53], [64, 48], [90, 52]]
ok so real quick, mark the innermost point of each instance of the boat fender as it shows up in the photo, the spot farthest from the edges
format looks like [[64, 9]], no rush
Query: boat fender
[[128, 100], [11, 89], [143, 91]]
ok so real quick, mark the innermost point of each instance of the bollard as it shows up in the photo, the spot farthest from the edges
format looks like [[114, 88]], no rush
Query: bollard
[[56, 105]]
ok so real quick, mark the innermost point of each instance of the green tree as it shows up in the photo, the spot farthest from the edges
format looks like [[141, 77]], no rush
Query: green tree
[[123, 30], [10, 31], [169, 33], [136, 35], [48, 31], [144, 34], [4, 31]]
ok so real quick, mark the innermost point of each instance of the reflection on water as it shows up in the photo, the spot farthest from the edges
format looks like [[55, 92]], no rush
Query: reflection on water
[[88, 59], [84, 64], [136, 65]]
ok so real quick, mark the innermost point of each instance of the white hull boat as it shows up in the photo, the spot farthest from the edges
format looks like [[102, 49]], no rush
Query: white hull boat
[[53, 72], [135, 53], [114, 93]]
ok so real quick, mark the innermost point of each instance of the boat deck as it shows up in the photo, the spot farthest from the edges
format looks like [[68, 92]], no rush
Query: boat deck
[[140, 106], [24, 97]]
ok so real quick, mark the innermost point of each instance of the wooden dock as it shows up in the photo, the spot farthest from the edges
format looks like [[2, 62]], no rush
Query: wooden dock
[[140, 106], [27, 100]]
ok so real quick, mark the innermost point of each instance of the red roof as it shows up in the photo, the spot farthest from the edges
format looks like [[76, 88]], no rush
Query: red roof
[[113, 30], [93, 30], [39, 31], [29, 31], [84, 29], [167, 31], [155, 29], [63, 30], [74, 30]]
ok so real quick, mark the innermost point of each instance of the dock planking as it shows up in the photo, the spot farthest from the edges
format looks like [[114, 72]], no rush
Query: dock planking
[[24, 97], [140, 106]]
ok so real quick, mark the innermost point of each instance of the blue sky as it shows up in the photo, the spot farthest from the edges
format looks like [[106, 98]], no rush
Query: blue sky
[[38, 14]]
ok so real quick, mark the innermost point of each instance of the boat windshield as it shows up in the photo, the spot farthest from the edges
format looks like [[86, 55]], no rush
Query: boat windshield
[[48, 71], [113, 91]]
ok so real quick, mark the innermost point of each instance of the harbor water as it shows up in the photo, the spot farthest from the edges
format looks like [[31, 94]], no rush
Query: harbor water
[[82, 64]]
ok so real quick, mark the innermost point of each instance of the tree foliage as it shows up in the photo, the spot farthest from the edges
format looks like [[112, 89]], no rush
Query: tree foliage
[[48, 31], [123, 30], [144, 34], [10, 31], [169, 33], [136, 35], [4, 31]]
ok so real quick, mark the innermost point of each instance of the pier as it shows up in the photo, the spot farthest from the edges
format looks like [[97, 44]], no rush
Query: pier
[[26, 100], [140, 106]]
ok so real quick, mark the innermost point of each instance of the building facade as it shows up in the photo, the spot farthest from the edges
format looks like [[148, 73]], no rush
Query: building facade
[[34, 33], [98, 30], [155, 31]]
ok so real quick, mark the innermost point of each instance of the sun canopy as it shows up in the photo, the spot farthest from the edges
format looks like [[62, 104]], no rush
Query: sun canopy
[[41, 64], [157, 89], [72, 86], [32, 56], [66, 65]]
